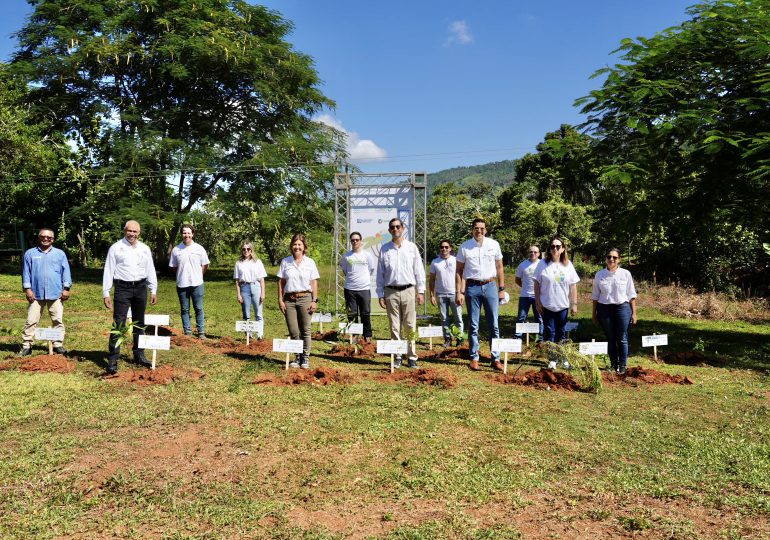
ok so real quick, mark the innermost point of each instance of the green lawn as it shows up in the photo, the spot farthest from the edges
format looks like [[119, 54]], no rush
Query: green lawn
[[219, 457]]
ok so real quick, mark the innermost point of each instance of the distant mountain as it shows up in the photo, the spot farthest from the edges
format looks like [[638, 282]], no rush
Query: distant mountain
[[498, 173]]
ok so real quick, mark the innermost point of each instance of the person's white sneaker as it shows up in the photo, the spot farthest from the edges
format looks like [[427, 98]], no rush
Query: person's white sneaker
[[566, 365], [552, 365], [294, 365]]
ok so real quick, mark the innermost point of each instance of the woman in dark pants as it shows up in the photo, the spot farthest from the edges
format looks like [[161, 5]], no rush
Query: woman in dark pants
[[614, 307]]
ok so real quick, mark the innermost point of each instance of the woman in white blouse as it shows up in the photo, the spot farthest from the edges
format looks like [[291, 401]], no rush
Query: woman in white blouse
[[555, 290], [298, 295], [614, 299], [249, 276]]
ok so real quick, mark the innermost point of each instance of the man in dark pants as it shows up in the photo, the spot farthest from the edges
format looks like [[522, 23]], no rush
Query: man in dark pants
[[358, 268], [130, 268]]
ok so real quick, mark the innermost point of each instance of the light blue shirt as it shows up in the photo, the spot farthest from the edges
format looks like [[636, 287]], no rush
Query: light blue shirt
[[45, 272]]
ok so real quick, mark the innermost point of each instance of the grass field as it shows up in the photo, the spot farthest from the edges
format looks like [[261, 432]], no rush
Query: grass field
[[82, 456]]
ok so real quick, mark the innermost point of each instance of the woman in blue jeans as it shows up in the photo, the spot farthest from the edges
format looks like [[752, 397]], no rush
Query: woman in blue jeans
[[614, 307], [249, 276]]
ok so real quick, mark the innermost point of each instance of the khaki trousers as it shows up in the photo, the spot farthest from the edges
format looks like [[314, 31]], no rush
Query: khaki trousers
[[298, 320], [402, 315], [35, 310]]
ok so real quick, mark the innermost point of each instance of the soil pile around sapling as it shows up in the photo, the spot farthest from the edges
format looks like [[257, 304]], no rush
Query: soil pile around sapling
[[319, 376], [329, 335], [635, 375], [448, 353], [362, 349], [545, 379], [55, 363], [688, 358], [225, 345], [429, 376], [159, 375]]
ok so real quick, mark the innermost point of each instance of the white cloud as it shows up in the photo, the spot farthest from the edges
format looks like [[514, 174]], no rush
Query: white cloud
[[459, 34], [357, 147]]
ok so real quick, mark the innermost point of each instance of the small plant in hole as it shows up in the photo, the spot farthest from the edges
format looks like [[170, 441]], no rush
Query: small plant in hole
[[124, 331], [458, 335], [699, 346]]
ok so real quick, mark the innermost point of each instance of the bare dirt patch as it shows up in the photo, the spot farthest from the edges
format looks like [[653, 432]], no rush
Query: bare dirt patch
[[55, 363], [160, 375], [545, 379], [362, 349], [427, 376], [691, 358], [635, 375], [329, 335], [321, 376], [445, 354]]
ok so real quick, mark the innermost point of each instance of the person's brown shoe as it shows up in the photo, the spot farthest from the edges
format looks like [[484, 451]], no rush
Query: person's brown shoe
[[496, 365], [475, 365]]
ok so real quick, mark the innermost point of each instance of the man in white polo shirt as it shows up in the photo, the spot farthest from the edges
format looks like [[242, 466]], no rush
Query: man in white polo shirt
[[358, 268], [479, 264], [399, 273], [129, 266], [190, 261]]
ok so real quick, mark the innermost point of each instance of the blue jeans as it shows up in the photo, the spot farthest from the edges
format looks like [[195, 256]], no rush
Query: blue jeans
[[525, 302], [185, 295], [477, 296], [250, 292], [450, 313], [615, 319], [553, 325]]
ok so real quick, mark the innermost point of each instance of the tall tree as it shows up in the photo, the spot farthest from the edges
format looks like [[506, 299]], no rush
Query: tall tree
[[170, 100], [683, 121]]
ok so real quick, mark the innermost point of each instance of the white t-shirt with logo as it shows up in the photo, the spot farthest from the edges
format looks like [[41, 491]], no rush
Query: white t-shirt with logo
[[188, 261], [613, 287], [555, 280], [444, 270], [525, 272], [358, 269]]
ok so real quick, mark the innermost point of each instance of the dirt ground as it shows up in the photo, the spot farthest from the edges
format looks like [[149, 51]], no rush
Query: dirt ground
[[545, 379], [160, 375], [319, 376], [428, 376], [635, 375], [361, 350], [55, 363]]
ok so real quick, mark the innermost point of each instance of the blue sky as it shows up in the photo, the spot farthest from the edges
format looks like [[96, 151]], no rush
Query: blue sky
[[428, 85]]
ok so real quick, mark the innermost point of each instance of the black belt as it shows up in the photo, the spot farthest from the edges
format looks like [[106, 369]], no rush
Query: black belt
[[130, 283], [399, 287], [477, 282]]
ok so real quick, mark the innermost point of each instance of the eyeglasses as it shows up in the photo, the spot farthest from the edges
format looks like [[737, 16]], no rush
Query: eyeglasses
[[446, 247], [355, 239], [555, 246], [395, 227], [534, 252], [245, 249], [612, 258], [45, 237]]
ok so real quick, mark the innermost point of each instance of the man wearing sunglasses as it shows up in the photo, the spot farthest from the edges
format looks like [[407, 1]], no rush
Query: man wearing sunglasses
[[442, 291], [481, 282], [399, 273], [358, 268], [524, 278], [46, 281]]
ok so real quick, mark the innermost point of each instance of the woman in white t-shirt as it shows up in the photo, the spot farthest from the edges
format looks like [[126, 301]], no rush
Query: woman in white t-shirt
[[249, 276], [298, 295], [555, 291], [614, 299]]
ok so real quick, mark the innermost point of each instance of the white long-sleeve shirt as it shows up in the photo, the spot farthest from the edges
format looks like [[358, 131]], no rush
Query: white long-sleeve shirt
[[129, 263], [400, 266]]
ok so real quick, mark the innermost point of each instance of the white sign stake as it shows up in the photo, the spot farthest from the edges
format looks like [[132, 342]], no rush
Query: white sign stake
[[321, 318], [288, 346], [351, 329], [655, 341], [50, 335], [527, 328], [151, 319], [256, 327], [430, 332], [505, 346], [392, 347]]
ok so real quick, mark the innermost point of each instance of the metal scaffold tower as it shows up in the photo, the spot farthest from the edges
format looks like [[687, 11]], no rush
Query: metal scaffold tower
[[379, 197]]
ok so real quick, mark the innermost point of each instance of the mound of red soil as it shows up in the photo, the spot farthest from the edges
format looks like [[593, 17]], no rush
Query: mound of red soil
[[636, 374], [329, 335], [686, 358], [50, 364], [160, 375], [445, 354], [545, 379], [320, 376], [429, 376], [361, 350]]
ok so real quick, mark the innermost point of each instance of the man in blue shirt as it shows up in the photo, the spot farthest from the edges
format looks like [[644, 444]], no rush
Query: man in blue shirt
[[46, 280]]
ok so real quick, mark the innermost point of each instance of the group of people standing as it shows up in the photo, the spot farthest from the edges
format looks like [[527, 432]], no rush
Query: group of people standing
[[473, 277]]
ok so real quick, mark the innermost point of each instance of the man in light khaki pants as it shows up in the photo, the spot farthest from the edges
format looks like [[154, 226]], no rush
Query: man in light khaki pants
[[399, 273], [46, 281]]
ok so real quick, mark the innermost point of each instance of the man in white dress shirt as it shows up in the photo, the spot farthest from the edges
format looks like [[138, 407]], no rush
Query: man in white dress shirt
[[190, 261], [479, 264], [130, 268], [399, 273]]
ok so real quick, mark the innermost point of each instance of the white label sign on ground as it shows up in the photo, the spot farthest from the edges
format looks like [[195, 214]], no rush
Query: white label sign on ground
[[571, 326], [430, 331], [657, 340], [391, 346], [288, 345], [249, 326], [527, 328], [156, 320], [49, 334], [321, 317], [352, 328], [162, 343], [506, 345], [593, 347]]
